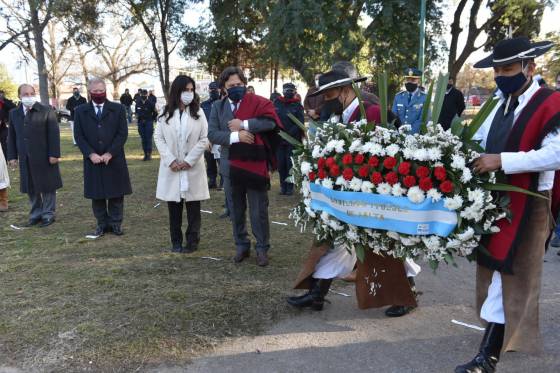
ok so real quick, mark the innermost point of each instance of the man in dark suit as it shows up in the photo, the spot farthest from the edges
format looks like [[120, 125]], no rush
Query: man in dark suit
[[101, 132], [73, 102], [34, 140], [211, 162], [126, 100], [241, 124], [145, 115], [453, 105]]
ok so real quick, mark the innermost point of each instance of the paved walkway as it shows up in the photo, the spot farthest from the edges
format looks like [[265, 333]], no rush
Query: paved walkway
[[344, 338]]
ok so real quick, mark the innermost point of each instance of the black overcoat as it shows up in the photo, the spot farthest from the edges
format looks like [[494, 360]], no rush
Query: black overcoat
[[105, 135], [32, 139]]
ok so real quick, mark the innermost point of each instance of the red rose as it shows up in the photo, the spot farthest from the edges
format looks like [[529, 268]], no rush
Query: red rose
[[321, 162], [389, 162], [348, 174], [347, 159], [334, 170], [330, 162], [373, 161], [322, 174], [363, 171], [311, 176], [447, 186], [359, 159], [422, 171], [440, 173], [392, 178], [409, 181], [404, 168], [376, 178], [425, 184]]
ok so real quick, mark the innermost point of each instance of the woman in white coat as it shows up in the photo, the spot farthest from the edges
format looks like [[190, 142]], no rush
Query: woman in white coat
[[180, 137]]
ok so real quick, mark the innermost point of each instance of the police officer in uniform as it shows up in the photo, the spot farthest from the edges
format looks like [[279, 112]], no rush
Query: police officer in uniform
[[409, 103], [145, 113]]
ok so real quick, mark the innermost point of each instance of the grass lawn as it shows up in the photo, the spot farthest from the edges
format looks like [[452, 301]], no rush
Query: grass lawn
[[122, 303]]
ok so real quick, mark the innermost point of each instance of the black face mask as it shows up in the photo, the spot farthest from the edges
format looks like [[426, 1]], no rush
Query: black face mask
[[449, 86], [333, 106], [411, 87], [214, 94]]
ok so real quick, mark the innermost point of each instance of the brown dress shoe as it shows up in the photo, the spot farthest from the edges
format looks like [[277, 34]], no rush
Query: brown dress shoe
[[240, 256], [262, 259]]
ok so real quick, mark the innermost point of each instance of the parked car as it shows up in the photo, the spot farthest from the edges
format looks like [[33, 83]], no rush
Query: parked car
[[474, 100]]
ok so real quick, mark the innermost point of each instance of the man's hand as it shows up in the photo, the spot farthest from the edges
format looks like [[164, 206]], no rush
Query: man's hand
[[106, 158], [184, 166], [487, 163], [95, 158], [13, 163], [235, 125], [312, 113], [53, 160], [246, 137]]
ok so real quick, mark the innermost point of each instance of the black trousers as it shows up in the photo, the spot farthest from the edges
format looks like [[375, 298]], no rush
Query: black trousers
[[211, 168], [192, 235], [108, 211], [284, 154]]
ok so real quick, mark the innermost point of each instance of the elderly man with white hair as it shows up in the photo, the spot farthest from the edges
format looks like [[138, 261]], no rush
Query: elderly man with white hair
[[101, 130]]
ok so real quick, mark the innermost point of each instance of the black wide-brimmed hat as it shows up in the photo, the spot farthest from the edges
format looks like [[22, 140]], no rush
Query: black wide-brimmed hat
[[514, 50], [335, 79]]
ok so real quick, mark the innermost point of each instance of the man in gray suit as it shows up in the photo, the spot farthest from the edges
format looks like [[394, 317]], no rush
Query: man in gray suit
[[242, 123]]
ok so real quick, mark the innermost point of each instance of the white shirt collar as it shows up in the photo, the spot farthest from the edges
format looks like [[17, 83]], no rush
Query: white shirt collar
[[95, 106], [347, 113], [234, 104]]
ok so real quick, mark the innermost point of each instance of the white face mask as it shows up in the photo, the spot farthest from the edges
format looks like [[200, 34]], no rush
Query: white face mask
[[29, 101], [187, 97]]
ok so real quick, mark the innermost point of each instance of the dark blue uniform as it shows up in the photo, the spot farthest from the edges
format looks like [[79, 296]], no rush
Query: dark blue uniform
[[145, 114], [284, 153], [408, 107]]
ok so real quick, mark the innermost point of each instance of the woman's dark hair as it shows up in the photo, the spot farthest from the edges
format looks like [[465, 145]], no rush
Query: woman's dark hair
[[229, 71], [177, 87]]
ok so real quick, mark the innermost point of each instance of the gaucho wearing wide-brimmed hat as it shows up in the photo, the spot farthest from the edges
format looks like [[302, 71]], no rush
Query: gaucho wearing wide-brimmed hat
[[521, 139]]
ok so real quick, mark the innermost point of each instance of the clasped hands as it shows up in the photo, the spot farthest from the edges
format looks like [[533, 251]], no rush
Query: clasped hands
[[236, 125], [98, 159], [177, 166]]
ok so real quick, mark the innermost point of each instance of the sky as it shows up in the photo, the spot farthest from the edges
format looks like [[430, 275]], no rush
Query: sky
[[10, 55]]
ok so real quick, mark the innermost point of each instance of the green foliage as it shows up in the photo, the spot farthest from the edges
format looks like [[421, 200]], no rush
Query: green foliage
[[7, 84]]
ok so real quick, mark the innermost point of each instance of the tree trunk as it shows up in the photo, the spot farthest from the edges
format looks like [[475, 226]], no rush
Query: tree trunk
[[39, 53], [455, 31], [116, 85]]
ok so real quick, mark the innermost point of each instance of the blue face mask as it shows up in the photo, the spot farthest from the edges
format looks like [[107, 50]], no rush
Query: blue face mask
[[236, 94], [511, 84]]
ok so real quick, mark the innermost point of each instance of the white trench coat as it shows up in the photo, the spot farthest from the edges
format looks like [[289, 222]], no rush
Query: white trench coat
[[4, 176], [190, 148]]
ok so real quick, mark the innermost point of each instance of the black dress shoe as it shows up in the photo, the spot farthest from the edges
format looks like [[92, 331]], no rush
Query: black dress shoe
[[46, 222], [177, 248], [241, 256], [117, 230], [398, 311], [32, 222], [99, 231], [190, 248]]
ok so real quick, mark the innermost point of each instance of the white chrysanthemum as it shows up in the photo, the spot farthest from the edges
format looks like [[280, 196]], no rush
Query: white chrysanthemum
[[316, 152], [476, 196], [377, 149], [434, 154], [305, 167], [340, 181], [392, 150], [339, 147], [398, 190], [356, 146], [453, 203], [327, 183], [458, 162], [394, 235], [367, 186], [453, 243], [472, 213], [434, 195], [329, 147], [408, 153], [466, 235], [384, 188], [416, 195], [405, 128], [466, 176], [355, 184], [421, 154], [495, 229]]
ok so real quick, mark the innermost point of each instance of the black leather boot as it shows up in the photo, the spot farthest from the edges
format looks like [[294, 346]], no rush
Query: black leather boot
[[489, 353], [398, 311], [315, 297]]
